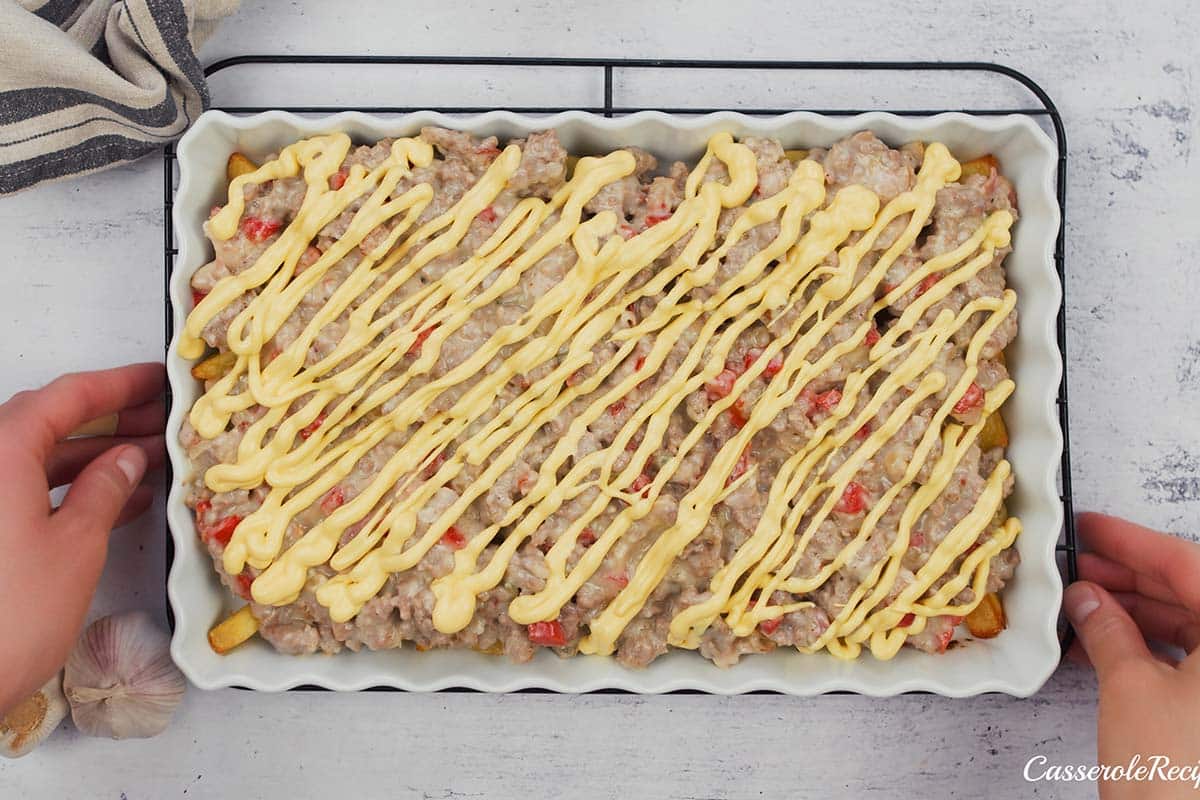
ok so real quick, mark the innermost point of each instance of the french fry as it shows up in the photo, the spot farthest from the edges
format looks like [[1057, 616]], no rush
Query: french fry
[[979, 166], [994, 433], [987, 620], [795, 156], [214, 367], [238, 164], [101, 426], [236, 629]]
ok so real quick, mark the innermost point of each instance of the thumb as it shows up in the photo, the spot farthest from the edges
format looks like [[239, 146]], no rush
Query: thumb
[[97, 496], [1105, 629]]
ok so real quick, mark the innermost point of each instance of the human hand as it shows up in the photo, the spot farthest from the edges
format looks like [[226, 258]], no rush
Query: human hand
[[1138, 585], [52, 558]]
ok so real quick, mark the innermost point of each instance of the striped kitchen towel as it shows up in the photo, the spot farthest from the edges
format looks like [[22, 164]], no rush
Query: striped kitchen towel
[[87, 84]]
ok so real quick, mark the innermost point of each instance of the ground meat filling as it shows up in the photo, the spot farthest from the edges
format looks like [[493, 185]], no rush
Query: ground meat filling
[[814, 586]]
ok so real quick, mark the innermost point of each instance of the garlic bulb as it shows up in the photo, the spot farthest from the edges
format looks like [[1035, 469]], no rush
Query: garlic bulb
[[33, 719], [120, 680]]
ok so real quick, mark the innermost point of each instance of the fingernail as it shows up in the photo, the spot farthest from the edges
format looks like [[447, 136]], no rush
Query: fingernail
[[1081, 600], [132, 462]]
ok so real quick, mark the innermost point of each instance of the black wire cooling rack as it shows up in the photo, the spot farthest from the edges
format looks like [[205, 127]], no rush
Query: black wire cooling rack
[[1045, 110]]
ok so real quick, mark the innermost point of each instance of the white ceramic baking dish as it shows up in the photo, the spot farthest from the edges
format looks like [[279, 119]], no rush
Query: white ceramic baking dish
[[1017, 662]]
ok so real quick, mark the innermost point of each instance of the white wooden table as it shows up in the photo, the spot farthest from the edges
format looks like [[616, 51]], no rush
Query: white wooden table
[[84, 290]]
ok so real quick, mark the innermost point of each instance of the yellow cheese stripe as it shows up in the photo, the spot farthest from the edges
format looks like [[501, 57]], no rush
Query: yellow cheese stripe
[[322, 418]]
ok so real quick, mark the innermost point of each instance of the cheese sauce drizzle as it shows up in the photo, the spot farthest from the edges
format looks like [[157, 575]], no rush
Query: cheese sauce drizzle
[[323, 420]]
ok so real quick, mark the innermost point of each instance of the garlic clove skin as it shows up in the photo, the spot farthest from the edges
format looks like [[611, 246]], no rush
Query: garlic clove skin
[[33, 719], [120, 680]]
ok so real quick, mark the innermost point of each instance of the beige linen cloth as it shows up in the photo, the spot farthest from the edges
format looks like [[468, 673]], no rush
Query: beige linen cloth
[[87, 84]]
